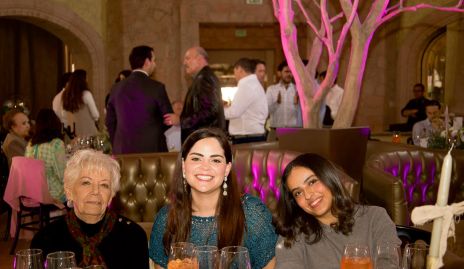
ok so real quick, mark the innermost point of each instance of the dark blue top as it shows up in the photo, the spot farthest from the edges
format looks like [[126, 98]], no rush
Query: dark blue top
[[260, 237]]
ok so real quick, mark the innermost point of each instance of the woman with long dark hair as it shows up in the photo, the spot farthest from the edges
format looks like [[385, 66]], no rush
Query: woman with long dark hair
[[207, 206], [316, 217], [79, 110], [47, 144]]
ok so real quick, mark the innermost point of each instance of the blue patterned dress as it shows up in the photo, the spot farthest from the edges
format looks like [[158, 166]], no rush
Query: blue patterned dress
[[260, 237]]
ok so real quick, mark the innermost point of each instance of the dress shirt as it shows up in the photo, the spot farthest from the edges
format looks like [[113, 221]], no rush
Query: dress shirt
[[248, 111], [422, 129], [285, 113], [333, 99]]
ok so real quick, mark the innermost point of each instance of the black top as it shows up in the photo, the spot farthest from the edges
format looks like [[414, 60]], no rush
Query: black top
[[203, 104], [420, 115], [125, 246]]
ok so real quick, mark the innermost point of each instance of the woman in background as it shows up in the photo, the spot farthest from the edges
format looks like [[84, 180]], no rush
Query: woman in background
[[47, 145], [207, 206], [316, 217], [79, 109], [18, 126]]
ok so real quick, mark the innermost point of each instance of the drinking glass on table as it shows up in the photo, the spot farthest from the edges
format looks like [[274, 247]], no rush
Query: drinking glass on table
[[207, 257], [182, 255], [234, 257], [28, 259], [356, 256], [415, 256], [61, 260], [387, 256]]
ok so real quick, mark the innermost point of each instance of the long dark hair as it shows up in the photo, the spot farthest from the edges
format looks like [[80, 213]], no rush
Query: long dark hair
[[291, 220], [47, 127], [229, 211], [72, 95]]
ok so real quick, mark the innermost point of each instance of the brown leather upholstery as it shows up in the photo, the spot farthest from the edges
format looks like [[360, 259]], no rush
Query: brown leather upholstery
[[145, 179], [401, 180]]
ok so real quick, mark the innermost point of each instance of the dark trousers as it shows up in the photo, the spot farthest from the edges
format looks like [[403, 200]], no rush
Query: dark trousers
[[240, 139]]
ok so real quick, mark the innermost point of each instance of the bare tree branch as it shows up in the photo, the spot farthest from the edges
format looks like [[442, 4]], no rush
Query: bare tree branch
[[336, 17], [375, 14], [347, 26], [328, 27], [456, 8], [276, 9], [308, 20]]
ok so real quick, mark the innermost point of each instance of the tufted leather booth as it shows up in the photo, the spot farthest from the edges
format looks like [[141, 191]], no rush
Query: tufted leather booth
[[145, 179], [401, 180]]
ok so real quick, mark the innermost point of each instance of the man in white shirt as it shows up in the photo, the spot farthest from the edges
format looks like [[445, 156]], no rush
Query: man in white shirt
[[260, 70], [248, 111], [282, 99], [423, 129], [333, 99]]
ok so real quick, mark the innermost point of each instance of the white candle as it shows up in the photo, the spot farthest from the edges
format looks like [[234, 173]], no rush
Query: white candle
[[442, 200]]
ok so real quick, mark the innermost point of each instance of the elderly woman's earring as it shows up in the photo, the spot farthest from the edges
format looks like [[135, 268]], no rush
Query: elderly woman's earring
[[69, 203], [224, 186]]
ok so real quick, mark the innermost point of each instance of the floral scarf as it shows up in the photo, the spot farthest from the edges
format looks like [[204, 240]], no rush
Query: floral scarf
[[90, 253]]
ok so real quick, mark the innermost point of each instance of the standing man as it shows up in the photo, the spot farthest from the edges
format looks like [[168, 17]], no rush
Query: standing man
[[203, 102], [415, 108], [136, 108], [260, 71], [432, 124], [282, 99], [248, 111]]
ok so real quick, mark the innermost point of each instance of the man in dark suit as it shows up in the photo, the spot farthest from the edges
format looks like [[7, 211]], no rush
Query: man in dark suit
[[203, 102], [136, 107]]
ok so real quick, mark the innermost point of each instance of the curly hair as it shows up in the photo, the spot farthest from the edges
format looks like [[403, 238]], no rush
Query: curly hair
[[229, 211], [72, 95], [291, 220]]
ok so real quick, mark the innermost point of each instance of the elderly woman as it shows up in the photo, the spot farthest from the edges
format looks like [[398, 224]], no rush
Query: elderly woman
[[18, 126], [207, 207], [90, 229], [316, 217]]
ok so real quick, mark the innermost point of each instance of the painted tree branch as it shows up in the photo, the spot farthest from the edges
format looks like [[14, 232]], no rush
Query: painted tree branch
[[311, 94]]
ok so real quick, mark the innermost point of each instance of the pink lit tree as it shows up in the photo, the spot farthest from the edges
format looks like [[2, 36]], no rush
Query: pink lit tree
[[361, 32]]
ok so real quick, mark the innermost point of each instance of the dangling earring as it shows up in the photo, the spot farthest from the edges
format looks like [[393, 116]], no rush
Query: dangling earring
[[69, 203], [224, 186], [184, 181]]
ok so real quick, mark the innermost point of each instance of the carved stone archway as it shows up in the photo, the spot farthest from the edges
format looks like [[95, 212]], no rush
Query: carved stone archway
[[84, 42]]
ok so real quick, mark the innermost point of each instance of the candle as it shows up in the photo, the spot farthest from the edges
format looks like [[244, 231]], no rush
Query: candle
[[442, 200]]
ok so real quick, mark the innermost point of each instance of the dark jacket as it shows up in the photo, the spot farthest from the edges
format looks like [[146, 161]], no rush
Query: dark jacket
[[203, 104], [135, 115]]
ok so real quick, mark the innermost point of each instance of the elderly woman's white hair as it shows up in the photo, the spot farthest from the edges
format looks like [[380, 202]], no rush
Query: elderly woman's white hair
[[90, 159]]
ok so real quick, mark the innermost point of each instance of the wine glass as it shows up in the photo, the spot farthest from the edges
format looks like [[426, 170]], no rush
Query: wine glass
[[387, 256], [28, 259], [61, 260], [207, 257], [415, 256], [234, 257], [356, 256], [182, 255]]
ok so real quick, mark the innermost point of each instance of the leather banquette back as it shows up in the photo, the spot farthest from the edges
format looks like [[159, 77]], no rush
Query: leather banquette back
[[145, 179]]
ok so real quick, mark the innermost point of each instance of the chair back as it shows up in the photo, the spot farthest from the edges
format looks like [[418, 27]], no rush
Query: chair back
[[27, 179]]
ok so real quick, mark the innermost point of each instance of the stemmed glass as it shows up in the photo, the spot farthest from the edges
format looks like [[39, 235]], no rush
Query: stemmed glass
[[387, 256], [182, 255], [61, 260], [207, 257], [28, 259], [415, 256], [234, 257], [356, 256]]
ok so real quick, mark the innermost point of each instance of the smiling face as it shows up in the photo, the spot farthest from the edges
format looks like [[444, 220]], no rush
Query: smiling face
[[91, 193], [311, 194], [205, 167]]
